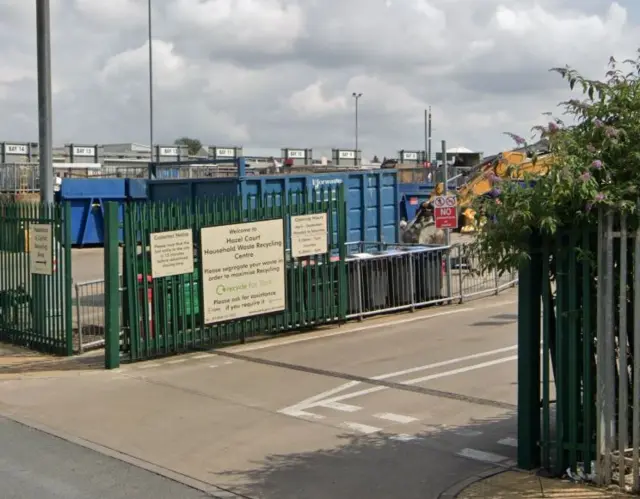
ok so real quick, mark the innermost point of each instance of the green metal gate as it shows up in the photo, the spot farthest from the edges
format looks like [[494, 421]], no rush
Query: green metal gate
[[169, 308], [35, 277]]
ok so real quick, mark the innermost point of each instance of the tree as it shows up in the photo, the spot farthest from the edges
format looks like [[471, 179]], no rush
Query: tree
[[596, 162], [193, 145]]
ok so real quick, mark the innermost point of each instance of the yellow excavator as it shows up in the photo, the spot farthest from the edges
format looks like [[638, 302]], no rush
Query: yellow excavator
[[514, 164]]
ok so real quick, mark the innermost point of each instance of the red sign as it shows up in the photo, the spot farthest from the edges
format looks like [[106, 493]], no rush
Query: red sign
[[445, 212]]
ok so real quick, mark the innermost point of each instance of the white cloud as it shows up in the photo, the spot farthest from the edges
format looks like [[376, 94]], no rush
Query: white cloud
[[311, 102], [269, 73]]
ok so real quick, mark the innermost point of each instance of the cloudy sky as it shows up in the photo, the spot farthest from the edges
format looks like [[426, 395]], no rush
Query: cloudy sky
[[271, 73]]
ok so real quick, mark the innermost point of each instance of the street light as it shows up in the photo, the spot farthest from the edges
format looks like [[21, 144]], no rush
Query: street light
[[150, 83], [357, 96]]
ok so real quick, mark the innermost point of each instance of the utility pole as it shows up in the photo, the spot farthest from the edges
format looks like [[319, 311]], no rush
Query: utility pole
[[45, 127], [357, 96], [429, 133], [426, 137], [151, 155]]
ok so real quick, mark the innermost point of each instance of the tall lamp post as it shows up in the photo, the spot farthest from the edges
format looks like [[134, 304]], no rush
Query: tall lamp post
[[45, 127], [150, 82], [357, 96]]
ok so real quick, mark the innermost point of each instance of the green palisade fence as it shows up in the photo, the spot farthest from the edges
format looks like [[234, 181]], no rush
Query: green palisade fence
[[165, 315], [559, 310], [35, 308]]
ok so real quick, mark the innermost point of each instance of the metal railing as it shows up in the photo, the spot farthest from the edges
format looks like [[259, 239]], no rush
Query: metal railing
[[19, 177], [88, 315], [618, 355], [392, 277], [381, 278]]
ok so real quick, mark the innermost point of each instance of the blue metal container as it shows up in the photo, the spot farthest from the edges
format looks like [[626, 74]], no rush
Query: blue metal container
[[371, 196], [181, 189], [411, 197], [87, 198]]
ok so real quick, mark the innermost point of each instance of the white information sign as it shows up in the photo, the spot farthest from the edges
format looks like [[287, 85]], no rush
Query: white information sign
[[309, 235], [84, 151], [243, 270], [41, 249], [347, 154], [410, 156], [298, 154], [168, 151], [171, 253], [15, 149], [224, 152]]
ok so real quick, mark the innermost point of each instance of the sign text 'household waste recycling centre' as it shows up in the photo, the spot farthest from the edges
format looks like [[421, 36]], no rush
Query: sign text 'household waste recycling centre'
[[243, 270]]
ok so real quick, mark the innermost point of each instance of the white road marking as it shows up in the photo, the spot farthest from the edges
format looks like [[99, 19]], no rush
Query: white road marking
[[404, 437], [443, 363], [511, 442], [485, 457], [204, 356], [310, 337], [396, 418], [227, 363], [177, 361], [415, 381], [362, 428], [301, 414], [213, 366], [325, 396], [337, 406]]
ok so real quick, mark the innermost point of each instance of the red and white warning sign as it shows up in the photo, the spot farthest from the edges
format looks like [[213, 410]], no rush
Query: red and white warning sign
[[445, 212]]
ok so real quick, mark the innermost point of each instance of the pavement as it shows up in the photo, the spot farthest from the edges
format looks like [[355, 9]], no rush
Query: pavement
[[409, 406], [40, 466], [515, 484]]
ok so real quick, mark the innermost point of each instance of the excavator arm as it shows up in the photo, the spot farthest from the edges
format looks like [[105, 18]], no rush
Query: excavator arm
[[511, 164]]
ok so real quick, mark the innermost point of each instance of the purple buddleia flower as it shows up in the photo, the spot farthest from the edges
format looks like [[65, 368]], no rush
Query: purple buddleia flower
[[597, 164], [611, 132], [599, 197], [598, 123], [585, 176], [496, 192], [553, 127]]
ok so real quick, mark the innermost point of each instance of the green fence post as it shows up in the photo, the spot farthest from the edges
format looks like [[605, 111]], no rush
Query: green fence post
[[529, 296], [68, 278], [111, 288]]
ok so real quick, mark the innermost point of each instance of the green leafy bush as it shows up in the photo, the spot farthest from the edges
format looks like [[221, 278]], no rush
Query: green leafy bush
[[596, 163]]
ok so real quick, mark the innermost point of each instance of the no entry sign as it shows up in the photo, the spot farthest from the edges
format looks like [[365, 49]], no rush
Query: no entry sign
[[445, 212]]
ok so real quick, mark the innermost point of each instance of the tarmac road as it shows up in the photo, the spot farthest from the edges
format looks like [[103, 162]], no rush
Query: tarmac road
[[400, 407]]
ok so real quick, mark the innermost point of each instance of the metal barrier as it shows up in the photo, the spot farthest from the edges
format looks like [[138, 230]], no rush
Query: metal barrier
[[88, 316], [392, 277], [381, 278], [19, 177]]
